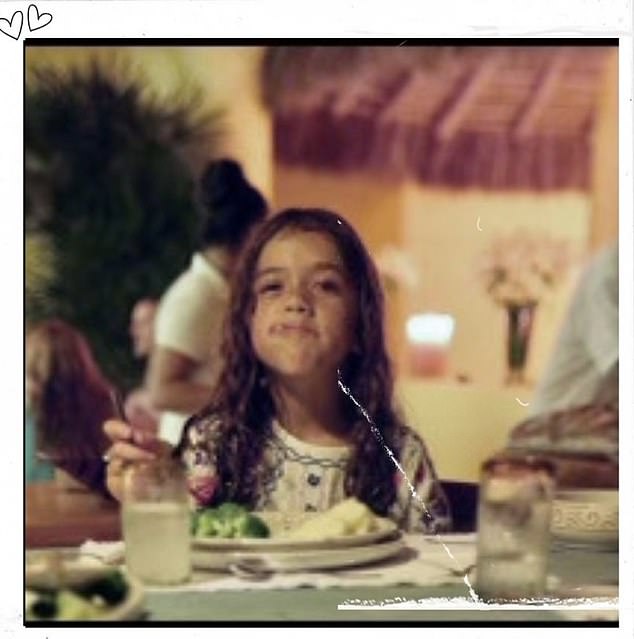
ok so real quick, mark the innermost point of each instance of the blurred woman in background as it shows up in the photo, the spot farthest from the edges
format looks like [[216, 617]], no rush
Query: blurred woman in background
[[68, 399], [185, 361]]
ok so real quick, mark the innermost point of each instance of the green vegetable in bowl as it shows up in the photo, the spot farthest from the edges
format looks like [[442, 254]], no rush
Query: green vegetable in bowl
[[230, 510], [90, 600], [251, 526], [61, 605], [72, 606], [112, 588], [229, 520]]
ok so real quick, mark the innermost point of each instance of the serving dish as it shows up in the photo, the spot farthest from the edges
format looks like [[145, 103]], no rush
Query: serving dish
[[586, 517], [72, 572]]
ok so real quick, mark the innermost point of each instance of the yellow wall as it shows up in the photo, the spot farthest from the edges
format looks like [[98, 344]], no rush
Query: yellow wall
[[228, 77], [443, 238], [462, 425], [371, 202]]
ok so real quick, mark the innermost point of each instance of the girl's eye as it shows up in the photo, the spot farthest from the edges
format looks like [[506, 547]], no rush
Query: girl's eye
[[269, 287], [329, 286]]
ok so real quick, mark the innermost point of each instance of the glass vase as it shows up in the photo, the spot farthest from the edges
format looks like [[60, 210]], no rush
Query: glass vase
[[520, 325]]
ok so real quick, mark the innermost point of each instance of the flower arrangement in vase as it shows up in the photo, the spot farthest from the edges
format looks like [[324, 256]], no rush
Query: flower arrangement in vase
[[518, 270]]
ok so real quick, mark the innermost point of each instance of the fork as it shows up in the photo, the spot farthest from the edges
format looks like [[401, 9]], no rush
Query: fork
[[252, 569]]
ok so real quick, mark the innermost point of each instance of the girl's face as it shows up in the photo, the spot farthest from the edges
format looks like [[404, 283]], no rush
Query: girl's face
[[305, 311]]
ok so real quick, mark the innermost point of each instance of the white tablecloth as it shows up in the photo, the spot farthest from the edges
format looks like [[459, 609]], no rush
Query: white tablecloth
[[435, 560]]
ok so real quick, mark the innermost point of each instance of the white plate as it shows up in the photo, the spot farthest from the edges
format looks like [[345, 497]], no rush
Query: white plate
[[386, 530], [76, 571], [294, 561]]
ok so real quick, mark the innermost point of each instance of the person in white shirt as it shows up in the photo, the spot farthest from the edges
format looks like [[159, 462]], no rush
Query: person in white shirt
[[185, 361], [586, 354]]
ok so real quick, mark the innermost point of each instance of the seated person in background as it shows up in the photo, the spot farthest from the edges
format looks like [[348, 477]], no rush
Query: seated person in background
[[588, 345], [138, 407], [304, 342], [185, 361], [69, 399], [576, 412], [583, 443]]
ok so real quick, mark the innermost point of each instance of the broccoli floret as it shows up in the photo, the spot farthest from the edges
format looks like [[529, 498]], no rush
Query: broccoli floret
[[252, 526], [230, 511], [112, 588], [224, 527], [207, 523], [227, 521]]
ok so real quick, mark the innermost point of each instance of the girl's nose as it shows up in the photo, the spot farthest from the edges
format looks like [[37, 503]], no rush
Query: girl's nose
[[298, 302]]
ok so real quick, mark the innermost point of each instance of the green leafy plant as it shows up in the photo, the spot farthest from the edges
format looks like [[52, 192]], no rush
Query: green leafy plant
[[109, 192]]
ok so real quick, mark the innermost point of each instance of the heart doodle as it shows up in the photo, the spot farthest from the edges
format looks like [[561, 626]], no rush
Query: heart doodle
[[12, 31], [36, 19]]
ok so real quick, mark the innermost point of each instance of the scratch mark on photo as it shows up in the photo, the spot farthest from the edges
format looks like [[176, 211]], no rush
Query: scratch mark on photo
[[415, 495]]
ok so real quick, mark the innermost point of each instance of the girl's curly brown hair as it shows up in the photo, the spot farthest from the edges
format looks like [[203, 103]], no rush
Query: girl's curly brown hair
[[243, 404]]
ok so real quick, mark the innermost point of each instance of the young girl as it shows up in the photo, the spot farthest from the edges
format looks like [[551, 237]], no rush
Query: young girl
[[68, 399], [305, 320]]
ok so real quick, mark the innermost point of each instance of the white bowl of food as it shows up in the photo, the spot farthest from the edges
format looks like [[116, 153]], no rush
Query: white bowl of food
[[586, 517], [65, 588]]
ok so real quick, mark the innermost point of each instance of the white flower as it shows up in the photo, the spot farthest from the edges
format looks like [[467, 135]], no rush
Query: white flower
[[520, 268]]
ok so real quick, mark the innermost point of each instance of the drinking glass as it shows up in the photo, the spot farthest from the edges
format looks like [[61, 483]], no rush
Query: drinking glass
[[514, 516], [156, 522]]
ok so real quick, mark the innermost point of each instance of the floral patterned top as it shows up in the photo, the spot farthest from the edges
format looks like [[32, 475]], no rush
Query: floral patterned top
[[301, 477]]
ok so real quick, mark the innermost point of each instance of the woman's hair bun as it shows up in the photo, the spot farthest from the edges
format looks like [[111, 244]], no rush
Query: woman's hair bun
[[230, 203]]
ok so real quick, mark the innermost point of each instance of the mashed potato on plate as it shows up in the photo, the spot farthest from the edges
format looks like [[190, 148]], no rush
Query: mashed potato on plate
[[349, 517]]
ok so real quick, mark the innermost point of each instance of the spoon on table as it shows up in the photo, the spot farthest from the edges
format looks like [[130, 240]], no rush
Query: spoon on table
[[251, 568]]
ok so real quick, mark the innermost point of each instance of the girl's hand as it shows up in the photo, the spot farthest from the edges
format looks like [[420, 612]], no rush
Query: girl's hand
[[128, 445]]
